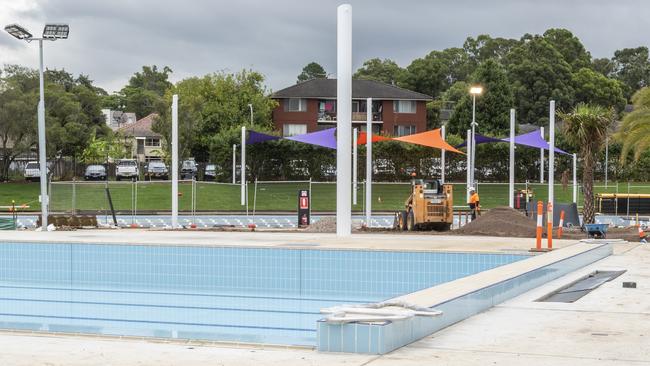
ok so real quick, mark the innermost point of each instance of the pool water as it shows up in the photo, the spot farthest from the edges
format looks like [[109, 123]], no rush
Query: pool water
[[260, 295]]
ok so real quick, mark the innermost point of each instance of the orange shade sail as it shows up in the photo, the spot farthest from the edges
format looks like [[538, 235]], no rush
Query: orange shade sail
[[431, 138], [361, 140]]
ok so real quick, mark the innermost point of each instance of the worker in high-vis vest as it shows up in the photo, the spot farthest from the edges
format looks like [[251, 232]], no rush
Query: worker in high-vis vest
[[474, 203]]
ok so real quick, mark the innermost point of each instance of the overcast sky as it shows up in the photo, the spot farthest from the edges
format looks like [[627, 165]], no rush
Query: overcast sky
[[111, 39]]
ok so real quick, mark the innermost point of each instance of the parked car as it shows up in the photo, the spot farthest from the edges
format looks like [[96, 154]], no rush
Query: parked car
[[188, 169], [210, 172], [156, 169], [127, 169], [33, 171], [95, 172], [328, 171]]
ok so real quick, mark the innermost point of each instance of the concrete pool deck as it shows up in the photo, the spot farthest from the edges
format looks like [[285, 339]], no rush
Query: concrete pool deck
[[606, 327]]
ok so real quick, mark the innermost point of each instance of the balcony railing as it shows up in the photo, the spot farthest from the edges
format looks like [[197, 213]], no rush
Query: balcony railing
[[356, 116]]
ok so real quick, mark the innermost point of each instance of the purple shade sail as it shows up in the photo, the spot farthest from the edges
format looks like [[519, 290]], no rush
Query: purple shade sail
[[257, 137], [324, 138], [480, 139], [534, 139]]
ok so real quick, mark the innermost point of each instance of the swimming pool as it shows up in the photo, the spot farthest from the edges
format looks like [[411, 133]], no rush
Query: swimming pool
[[259, 295]]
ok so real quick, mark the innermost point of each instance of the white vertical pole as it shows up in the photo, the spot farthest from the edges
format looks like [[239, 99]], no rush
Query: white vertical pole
[[472, 180], [354, 167], [242, 169], [575, 178], [42, 157], [551, 151], [606, 158], [511, 182], [469, 162], [443, 132], [541, 158], [368, 162], [344, 123], [234, 163], [175, 161]]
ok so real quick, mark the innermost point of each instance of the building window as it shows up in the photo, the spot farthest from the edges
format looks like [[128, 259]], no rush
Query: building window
[[404, 106], [295, 105], [152, 142], [292, 129], [403, 130]]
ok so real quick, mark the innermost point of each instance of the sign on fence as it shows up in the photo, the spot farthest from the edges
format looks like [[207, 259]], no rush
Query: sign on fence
[[303, 208]]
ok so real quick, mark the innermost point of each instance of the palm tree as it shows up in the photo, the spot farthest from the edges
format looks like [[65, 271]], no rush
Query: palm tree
[[634, 131], [586, 128]]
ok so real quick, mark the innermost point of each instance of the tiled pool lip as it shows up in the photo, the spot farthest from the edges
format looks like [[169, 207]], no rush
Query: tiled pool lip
[[458, 300]]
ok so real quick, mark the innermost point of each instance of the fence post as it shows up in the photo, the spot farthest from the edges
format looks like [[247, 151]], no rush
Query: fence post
[[549, 225], [559, 229], [540, 215], [74, 195]]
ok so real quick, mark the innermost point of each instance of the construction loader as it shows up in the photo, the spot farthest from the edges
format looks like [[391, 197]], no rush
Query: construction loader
[[428, 207]]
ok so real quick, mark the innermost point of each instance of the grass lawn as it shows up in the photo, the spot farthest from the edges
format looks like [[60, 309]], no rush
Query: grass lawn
[[155, 196]]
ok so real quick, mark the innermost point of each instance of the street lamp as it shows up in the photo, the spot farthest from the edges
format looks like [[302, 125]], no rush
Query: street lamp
[[51, 32], [475, 90], [250, 106]]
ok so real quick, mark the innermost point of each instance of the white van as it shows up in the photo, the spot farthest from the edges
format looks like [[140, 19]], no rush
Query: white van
[[127, 169]]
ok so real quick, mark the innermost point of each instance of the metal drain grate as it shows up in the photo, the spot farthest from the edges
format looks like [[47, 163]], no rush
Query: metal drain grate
[[577, 289]]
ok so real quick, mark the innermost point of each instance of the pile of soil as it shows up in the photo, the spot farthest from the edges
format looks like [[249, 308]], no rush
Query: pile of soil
[[630, 234], [501, 221], [328, 225]]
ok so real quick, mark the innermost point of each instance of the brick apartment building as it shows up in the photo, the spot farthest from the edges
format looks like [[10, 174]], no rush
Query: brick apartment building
[[311, 106]]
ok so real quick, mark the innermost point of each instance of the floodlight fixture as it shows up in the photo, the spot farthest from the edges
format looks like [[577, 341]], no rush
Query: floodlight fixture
[[56, 31], [476, 90], [18, 31]]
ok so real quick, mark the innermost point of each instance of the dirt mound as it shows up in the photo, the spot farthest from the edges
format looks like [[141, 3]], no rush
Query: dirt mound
[[630, 234], [500, 221], [324, 225]]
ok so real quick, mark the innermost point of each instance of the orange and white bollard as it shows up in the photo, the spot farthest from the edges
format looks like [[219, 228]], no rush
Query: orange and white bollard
[[559, 229], [540, 215], [549, 225]]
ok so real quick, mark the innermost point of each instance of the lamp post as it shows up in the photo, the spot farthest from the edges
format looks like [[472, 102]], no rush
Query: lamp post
[[51, 32], [475, 90], [250, 106]]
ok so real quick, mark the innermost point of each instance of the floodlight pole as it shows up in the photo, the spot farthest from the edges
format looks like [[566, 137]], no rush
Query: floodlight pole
[[541, 158], [42, 157], [368, 162], [551, 151], [344, 122], [606, 158], [443, 132], [473, 162], [511, 182], [234, 163], [469, 163], [354, 167], [243, 166], [174, 161], [250, 106]]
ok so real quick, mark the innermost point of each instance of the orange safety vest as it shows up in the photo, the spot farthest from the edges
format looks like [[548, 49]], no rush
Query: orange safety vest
[[473, 200]]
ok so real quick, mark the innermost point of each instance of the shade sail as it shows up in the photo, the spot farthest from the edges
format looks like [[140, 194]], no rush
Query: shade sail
[[480, 139], [361, 140], [324, 138], [431, 138], [257, 137], [534, 139]]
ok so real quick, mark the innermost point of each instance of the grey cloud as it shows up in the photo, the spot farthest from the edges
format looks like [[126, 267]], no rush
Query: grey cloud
[[112, 39]]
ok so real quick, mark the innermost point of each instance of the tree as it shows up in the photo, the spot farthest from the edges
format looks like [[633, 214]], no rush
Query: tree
[[100, 150], [594, 88], [634, 131], [212, 104], [538, 73], [632, 67], [569, 46], [426, 75], [385, 71], [492, 107], [585, 127], [484, 47], [603, 65], [143, 94], [312, 71]]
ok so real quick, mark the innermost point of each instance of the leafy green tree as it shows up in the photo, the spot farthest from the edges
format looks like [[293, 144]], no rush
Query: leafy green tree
[[385, 71], [426, 75], [603, 65], [634, 131], [585, 127], [312, 70], [572, 50], [99, 150], [538, 73], [492, 107], [17, 114], [484, 47], [143, 94], [632, 67], [595, 88]]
